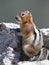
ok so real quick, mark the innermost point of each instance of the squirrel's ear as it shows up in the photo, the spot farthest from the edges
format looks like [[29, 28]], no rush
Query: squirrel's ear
[[27, 11]]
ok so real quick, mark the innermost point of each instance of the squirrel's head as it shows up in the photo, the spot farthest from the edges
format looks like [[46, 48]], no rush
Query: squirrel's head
[[24, 17]]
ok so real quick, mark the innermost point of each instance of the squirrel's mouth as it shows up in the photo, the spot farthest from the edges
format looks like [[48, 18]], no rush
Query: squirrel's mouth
[[18, 19]]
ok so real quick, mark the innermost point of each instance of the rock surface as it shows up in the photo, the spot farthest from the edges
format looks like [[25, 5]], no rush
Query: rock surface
[[8, 41], [45, 62]]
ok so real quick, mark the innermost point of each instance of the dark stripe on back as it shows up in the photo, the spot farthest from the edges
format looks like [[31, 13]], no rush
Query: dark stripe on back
[[35, 36]]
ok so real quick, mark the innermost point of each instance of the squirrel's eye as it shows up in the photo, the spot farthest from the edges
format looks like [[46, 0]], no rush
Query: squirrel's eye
[[23, 14]]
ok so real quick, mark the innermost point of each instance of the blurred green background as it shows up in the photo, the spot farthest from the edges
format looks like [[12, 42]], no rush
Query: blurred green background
[[38, 8]]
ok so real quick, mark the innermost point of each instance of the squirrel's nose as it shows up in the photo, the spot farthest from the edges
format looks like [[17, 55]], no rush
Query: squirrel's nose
[[16, 17]]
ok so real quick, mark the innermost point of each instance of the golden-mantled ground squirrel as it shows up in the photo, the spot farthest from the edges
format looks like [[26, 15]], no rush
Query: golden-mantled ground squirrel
[[32, 42]]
